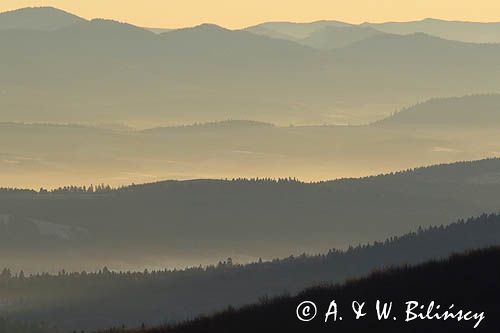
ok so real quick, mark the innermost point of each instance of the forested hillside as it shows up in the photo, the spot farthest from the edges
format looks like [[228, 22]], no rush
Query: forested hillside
[[107, 298], [470, 282], [201, 221]]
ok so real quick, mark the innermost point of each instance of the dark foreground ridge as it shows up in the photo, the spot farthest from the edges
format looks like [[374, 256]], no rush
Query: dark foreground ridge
[[469, 281], [93, 301]]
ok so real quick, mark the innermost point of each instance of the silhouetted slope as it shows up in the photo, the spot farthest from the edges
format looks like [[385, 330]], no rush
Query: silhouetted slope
[[112, 299], [476, 111], [470, 282], [37, 18]]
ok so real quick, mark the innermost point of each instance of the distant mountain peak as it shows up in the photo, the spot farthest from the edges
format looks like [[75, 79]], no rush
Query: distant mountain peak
[[37, 18], [205, 28], [208, 27]]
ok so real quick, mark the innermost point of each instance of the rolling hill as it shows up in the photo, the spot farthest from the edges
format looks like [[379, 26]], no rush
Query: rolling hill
[[37, 18], [416, 50], [475, 290]]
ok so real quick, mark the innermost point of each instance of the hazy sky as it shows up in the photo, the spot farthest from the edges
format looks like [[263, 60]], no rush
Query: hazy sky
[[241, 13]]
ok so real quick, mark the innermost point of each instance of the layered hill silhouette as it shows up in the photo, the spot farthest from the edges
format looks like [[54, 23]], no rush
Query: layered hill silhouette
[[214, 43], [106, 102], [406, 49], [472, 32], [475, 32], [435, 131], [106, 70], [95, 64], [100, 300], [188, 222], [469, 282], [50, 18]]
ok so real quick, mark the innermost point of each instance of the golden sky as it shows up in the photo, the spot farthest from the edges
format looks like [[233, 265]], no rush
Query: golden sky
[[242, 13]]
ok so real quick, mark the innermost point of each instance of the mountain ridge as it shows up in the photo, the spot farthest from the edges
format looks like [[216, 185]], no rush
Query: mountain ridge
[[228, 209], [434, 280], [169, 289], [37, 18]]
